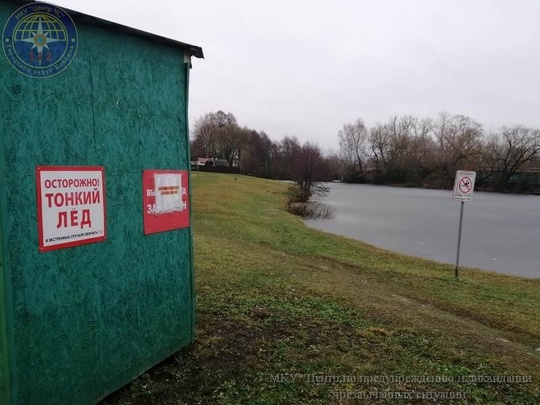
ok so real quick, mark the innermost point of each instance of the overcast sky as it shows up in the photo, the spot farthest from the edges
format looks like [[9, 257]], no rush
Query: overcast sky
[[305, 68]]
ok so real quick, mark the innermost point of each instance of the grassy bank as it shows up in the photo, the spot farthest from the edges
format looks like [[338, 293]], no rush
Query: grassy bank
[[280, 306]]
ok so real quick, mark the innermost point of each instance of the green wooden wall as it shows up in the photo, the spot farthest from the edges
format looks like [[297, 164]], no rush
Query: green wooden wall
[[76, 324]]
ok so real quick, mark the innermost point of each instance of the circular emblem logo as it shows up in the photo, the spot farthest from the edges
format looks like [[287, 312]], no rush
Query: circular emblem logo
[[40, 40]]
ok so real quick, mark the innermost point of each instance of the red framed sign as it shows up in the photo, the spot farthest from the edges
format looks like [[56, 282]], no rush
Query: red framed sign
[[71, 206], [165, 200]]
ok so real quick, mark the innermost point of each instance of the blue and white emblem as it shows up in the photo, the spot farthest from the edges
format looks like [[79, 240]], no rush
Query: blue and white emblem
[[40, 40]]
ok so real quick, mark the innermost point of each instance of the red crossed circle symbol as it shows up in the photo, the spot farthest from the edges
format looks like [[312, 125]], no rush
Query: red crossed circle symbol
[[465, 185]]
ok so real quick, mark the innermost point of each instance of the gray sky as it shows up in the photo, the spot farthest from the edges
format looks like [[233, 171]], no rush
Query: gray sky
[[305, 68]]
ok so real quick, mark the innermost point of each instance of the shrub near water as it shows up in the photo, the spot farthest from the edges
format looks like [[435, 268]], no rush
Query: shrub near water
[[309, 209]]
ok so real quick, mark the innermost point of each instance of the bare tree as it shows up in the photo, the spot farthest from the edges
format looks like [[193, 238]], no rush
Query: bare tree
[[379, 141], [204, 139], [337, 166], [257, 155], [458, 141], [222, 119], [230, 141], [509, 150], [390, 144], [218, 135], [309, 168], [352, 145], [421, 152], [289, 149]]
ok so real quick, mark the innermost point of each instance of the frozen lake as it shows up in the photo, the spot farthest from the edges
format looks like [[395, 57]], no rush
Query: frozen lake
[[501, 232]]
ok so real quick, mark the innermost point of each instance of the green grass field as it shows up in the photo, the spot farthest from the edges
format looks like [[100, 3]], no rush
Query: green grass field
[[291, 315]]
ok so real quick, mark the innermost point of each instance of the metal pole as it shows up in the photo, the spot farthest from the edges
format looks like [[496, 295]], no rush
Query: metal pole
[[459, 237]]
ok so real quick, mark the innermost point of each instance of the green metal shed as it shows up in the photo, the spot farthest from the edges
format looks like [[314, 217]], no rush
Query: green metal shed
[[96, 264]]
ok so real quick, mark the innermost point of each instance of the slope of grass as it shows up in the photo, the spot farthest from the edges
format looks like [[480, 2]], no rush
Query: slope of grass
[[287, 314]]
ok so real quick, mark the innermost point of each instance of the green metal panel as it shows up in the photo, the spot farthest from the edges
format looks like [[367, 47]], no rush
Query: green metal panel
[[78, 323]]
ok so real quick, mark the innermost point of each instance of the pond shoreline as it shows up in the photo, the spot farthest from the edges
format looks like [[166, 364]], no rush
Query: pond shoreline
[[500, 230]]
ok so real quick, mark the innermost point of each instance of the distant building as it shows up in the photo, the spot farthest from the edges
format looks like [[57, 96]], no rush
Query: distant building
[[205, 162], [210, 162], [221, 163]]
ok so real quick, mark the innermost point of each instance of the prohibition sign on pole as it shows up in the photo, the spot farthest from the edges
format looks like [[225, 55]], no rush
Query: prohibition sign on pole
[[464, 185]]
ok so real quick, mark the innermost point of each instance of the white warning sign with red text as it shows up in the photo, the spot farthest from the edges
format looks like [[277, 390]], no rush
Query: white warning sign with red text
[[71, 206], [464, 185], [165, 200]]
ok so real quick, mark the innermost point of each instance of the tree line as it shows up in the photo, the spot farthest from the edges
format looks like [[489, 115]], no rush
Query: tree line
[[427, 152], [218, 135], [405, 150]]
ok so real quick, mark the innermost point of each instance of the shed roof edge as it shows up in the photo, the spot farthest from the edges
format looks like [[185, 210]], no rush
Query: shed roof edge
[[87, 19]]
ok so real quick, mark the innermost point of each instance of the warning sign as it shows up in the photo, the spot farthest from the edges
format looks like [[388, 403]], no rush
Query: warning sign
[[464, 185], [71, 206], [165, 200]]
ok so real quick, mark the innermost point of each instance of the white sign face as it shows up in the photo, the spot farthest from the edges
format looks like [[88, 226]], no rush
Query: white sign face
[[71, 206], [168, 193], [464, 185]]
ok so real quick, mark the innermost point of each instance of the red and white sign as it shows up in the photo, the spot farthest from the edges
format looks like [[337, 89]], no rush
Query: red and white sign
[[165, 200], [71, 206], [464, 185]]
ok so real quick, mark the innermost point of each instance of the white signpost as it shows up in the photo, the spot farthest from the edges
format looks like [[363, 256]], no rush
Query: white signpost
[[463, 191]]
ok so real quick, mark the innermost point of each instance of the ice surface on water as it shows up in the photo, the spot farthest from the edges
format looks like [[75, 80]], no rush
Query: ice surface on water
[[501, 232]]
